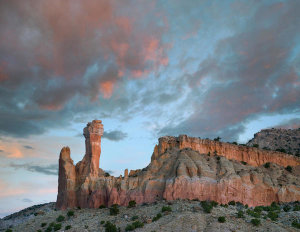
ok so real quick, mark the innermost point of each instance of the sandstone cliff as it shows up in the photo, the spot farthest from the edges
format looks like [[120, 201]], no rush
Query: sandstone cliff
[[287, 140], [181, 168]]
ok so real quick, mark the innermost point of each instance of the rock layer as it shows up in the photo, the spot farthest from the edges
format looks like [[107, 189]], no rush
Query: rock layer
[[181, 168]]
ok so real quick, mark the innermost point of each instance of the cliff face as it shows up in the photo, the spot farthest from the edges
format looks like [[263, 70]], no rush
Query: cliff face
[[278, 139], [183, 168]]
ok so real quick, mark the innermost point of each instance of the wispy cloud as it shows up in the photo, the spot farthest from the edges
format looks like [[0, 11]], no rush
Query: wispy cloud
[[51, 169], [115, 135]]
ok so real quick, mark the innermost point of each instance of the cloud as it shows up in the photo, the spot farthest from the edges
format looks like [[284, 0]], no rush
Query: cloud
[[290, 124], [46, 65], [51, 169], [115, 135], [250, 73], [28, 147], [27, 200]]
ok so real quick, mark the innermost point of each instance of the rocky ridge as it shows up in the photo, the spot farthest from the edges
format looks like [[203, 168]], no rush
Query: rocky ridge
[[286, 140], [181, 168]]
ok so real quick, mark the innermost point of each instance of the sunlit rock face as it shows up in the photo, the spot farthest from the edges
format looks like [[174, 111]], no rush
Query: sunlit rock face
[[181, 168]]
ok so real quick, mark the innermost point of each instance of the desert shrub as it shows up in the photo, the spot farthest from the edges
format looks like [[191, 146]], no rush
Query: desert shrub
[[102, 207], [289, 168], [253, 213], [70, 213], [240, 214], [158, 216], [57, 227], [49, 229], [79, 207], [272, 215], [214, 203], [131, 204], [208, 153], [286, 208], [243, 162], [106, 174], [43, 224], [256, 145], [39, 231], [114, 209], [296, 208], [221, 219], [68, 227], [296, 224], [218, 157], [217, 139], [207, 207], [102, 222], [235, 143], [281, 150], [8, 230], [110, 227], [258, 209], [134, 218], [166, 209], [267, 165], [60, 218], [231, 203], [275, 206], [255, 222], [134, 225], [129, 227]]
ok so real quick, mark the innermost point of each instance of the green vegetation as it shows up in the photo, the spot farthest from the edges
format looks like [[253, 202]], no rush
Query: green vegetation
[[9, 230], [255, 222], [207, 206], [57, 227], [240, 214], [267, 165], [166, 209], [235, 143], [286, 208], [102, 222], [289, 168], [70, 213], [218, 157], [43, 224], [110, 227], [296, 208], [281, 150], [272, 215], [106, 174], [68, 227], [231, 203], [158, 216], [253, 213], [221, 219], [214, 203], [131, 204], [133, 218], [60, 218], [114, 209], [256, 145], [296, 224], [102, 207], [134, 225], [243, 162], [217, 139]]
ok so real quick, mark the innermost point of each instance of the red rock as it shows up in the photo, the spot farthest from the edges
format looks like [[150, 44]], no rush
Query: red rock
[[180, 169]]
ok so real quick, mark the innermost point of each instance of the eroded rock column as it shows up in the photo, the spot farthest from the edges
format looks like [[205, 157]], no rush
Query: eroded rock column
[[92, 133]]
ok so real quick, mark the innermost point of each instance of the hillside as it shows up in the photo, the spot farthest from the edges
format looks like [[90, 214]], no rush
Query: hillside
[[285, 140]]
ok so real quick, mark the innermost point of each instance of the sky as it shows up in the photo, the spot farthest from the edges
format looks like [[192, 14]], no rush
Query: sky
[[145, 68]]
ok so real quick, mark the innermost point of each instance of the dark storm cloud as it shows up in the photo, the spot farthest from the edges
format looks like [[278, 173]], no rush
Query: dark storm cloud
[[115, 135], [251, 73], [28, 147], [51, 169], [45, 62]]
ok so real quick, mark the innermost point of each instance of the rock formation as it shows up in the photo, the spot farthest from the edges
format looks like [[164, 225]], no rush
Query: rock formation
[[287, 140], [181, 168]]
